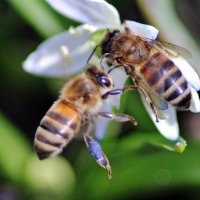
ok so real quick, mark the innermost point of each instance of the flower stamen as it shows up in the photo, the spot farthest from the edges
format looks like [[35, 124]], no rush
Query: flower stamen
[[66, 54], [73, 31], [90, 29]]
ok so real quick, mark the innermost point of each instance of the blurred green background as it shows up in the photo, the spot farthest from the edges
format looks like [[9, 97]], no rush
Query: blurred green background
[[142, 168]]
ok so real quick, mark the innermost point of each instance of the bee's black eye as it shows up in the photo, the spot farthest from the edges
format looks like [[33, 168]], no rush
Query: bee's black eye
[[104, 81]]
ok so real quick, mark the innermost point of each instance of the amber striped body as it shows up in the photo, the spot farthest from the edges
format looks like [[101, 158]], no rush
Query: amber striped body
[[56, 129], [80, 99], [166, 79], [145, 61]]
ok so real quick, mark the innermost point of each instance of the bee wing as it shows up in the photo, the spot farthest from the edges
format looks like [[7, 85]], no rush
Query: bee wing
[[188, 72], [160, 114], [172, 50], [159, 102], [157, 99], [180, 56]]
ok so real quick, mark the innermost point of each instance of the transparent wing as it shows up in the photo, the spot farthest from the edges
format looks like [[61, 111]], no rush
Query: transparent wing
[[181, 58], [188, 72], [172, 50], [156, 98], [169, 49]]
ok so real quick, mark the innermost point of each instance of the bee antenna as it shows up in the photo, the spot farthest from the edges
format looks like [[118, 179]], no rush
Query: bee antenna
[[114, 68], [88, 60], [102, 58]]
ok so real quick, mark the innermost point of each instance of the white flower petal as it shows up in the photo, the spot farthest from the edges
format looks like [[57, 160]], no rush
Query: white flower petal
[[62, 54], [142, 30], [187, 71], [168, 127], [94, 12], [101, 124], [195, 103], [119, 78]]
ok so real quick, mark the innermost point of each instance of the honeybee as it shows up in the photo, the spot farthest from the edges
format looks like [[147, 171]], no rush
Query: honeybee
[[78, 105], [149, 64]]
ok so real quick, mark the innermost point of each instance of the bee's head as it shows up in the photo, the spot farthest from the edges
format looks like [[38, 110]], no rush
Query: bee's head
[[100, 76], [107, 41]]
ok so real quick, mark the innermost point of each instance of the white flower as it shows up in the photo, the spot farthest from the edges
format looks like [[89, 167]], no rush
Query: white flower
[[67, 53]]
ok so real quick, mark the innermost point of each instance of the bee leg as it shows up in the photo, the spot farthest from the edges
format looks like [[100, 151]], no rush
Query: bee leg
[[119, 91], [117, 117], [135, 87], [95, 148], [96, 151], [149, 100]]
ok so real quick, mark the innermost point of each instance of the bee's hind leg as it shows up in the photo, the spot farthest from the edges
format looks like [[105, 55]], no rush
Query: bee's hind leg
[[95, 148], [133, 87], [150, 102], [117, 117]]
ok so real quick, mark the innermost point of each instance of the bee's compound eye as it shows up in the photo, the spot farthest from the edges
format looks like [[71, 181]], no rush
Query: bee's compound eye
[[104, 81]]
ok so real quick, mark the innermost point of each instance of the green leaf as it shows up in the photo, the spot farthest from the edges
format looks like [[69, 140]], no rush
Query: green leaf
[[138, 169], [140, 141], [14, 149], [52, 178], [19, 164]]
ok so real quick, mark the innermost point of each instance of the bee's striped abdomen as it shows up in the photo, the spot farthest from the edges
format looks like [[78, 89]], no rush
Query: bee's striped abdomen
[[167, 80], [56, 129]]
